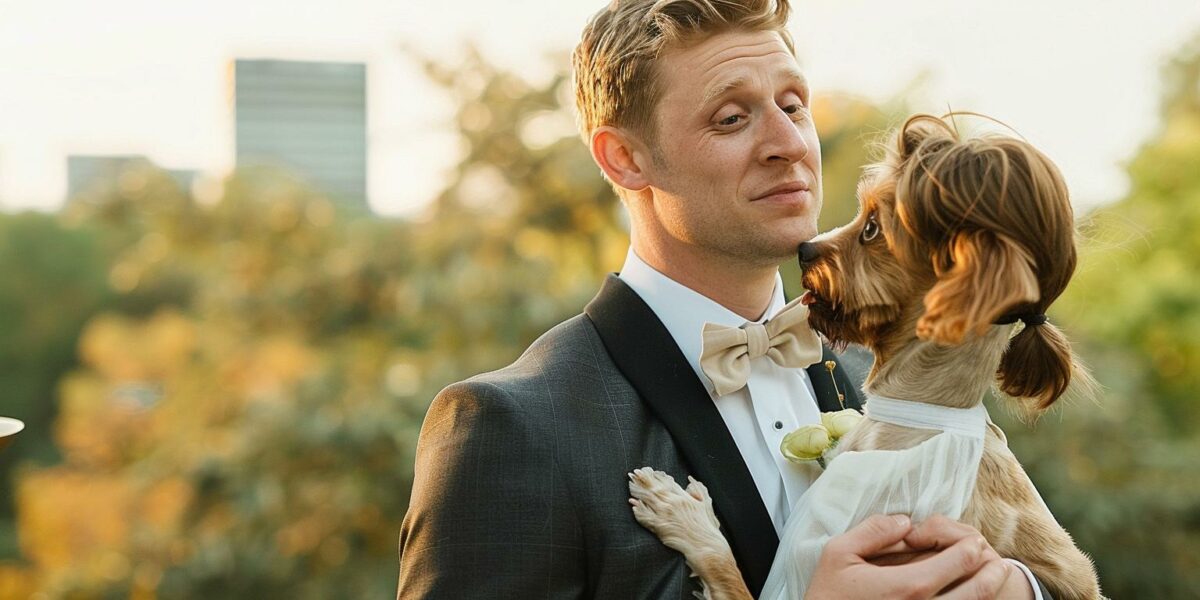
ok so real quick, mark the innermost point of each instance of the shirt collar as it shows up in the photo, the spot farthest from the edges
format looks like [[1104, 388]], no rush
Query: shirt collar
[[683, 310]]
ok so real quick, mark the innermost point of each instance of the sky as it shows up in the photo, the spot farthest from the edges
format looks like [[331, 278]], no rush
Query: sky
[[1080, 79]]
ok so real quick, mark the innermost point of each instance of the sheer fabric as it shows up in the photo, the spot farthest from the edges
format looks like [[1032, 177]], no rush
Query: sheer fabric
[[935, 477]]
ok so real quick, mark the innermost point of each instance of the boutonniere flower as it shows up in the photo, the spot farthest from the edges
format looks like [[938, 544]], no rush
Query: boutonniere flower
[[841, 422], [810, 442]]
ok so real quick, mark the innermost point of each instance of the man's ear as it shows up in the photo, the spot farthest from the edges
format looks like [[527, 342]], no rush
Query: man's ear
[[981, 276], [620, 156]]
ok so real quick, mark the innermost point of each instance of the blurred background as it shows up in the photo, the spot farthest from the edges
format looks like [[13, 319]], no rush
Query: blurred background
[[243, 246]]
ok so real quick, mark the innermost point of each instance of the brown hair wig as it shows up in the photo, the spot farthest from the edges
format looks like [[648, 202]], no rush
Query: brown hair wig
[[993, 216]]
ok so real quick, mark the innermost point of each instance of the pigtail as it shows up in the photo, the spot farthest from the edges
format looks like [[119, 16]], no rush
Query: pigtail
[[1039, 366]]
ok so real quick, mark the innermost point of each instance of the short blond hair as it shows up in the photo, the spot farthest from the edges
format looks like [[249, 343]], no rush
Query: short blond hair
[[614, 63]]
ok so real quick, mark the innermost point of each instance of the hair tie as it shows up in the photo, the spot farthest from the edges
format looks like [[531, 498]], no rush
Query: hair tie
[[1030, 319]]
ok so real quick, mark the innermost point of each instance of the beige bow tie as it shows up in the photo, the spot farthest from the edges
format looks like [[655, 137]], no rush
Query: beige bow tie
[[726, 352]]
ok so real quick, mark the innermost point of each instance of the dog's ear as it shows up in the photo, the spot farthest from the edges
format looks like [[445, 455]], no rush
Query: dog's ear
[[980, 276]]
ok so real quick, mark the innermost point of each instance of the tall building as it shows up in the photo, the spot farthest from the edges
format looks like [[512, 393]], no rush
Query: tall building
[[85, 170], [310, 117]]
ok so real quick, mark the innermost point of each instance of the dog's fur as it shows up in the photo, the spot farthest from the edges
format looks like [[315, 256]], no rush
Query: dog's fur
[[952, 234]]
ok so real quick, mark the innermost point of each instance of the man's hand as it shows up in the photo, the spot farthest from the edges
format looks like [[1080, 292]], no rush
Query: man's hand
[[939, 533], [947, 560]]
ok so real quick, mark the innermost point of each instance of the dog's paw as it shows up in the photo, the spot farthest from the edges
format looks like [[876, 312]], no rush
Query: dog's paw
[[683, 520], [698, 491], [654, 498]]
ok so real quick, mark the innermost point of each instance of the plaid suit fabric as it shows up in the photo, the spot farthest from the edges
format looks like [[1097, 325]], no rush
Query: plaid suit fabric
[[521, 490]]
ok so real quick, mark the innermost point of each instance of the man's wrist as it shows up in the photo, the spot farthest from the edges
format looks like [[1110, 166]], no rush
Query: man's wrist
[[1033, 584]]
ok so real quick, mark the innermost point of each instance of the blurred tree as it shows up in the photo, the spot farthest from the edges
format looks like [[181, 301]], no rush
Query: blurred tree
[[252, 434], [188, 425], [1122, 475], [54, 280], [526, 227], [1146, 256]]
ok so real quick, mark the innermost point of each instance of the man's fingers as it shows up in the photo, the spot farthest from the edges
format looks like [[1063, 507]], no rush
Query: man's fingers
[[873, 535], [899, 556], [960, 561], [938, 532], [985, 584]]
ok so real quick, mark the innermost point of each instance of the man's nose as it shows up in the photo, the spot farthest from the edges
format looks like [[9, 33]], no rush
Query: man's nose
[[809, 252], [785, 141]]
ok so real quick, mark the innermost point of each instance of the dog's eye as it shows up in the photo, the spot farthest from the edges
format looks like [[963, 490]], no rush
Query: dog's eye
[[870, 230]]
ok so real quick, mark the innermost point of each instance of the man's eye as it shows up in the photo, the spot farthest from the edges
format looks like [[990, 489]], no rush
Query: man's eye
[[730, 120], [870, 230], [792, 109]]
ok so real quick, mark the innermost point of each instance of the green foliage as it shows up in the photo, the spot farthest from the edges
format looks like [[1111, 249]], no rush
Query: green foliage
[[54, 280], [1121, 475], [245, 412], [1145, 256]]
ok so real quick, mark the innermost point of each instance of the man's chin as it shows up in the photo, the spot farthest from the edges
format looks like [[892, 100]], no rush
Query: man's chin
[[773, 243], [791, 231], [800, 231]]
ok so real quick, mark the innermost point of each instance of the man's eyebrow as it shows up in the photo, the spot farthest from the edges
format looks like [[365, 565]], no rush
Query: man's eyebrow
[[789, 74], [797, 78], [724, 88]]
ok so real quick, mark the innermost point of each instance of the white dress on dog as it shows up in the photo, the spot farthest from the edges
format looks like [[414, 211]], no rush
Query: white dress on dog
[[936, 476]]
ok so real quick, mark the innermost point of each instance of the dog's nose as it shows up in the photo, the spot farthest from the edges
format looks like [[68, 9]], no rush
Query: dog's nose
[[808, 253]]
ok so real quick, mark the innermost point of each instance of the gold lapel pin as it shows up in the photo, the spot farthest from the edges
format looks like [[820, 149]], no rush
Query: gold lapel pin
[[830, 366]]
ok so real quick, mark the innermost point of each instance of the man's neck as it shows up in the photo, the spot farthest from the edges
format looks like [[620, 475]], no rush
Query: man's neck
[[743, 289]]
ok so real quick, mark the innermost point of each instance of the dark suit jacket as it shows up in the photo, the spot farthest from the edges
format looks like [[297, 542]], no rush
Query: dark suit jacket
[[520, 488]]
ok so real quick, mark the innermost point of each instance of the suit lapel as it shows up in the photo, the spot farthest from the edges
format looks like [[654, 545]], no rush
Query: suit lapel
[[823, 382], [647, 355]]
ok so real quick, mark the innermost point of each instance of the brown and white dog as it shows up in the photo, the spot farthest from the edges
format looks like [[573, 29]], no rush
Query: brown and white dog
[[955, 239]]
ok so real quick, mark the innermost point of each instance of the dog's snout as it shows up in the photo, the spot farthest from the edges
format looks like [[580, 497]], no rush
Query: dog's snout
[[808, 252]]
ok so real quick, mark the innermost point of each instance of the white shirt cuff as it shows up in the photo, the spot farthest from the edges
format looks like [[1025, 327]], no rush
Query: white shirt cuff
[[1037, 590]]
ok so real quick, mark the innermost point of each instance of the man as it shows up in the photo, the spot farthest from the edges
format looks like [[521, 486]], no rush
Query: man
[[698, 114]]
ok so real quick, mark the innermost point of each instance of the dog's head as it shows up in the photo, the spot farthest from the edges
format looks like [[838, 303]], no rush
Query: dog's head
[[952, 234]]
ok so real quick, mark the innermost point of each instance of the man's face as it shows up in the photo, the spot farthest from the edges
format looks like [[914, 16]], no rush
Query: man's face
[[737, 170]]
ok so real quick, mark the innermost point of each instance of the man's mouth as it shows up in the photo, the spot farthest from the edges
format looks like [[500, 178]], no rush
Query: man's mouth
[[794, 191]]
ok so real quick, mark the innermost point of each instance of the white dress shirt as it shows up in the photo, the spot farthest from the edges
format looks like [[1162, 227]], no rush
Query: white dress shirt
[[775, 401]]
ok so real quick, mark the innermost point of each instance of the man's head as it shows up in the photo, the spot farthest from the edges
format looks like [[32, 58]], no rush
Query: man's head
[[616, 80], [697, 112]]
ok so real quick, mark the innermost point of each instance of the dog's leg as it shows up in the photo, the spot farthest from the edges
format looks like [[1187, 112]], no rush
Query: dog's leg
[[1047, 549], [684, 521], [1005, 508]]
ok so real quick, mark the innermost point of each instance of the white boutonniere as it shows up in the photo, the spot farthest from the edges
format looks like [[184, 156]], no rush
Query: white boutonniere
[[810, 442]]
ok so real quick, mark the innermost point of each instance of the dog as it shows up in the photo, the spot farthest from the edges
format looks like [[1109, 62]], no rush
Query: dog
[[959, 247]]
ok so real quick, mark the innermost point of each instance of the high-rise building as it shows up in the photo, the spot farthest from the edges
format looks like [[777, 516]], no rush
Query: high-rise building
[[84, 170], [309, 117]]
